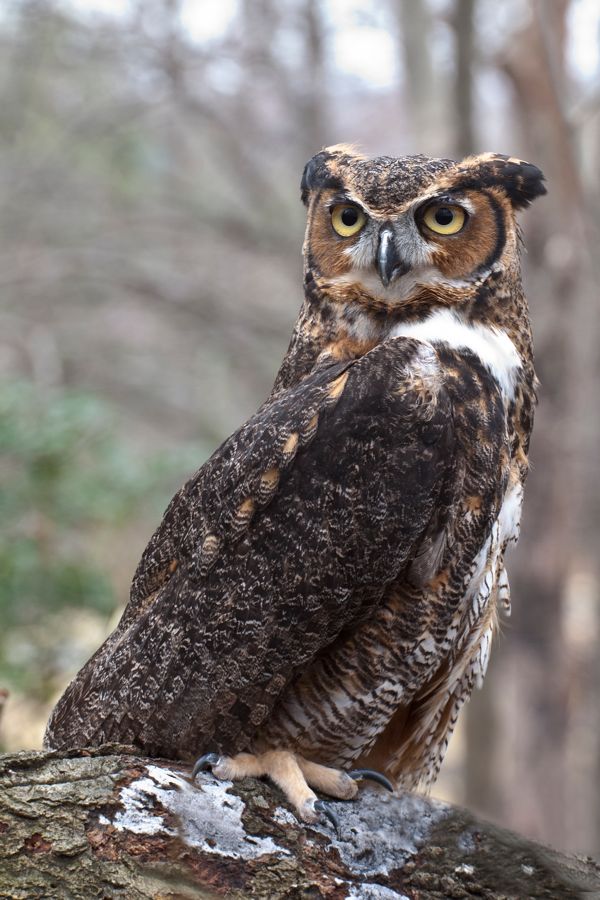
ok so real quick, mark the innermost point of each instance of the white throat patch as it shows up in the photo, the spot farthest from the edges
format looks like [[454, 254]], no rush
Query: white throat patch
[[492, 345]]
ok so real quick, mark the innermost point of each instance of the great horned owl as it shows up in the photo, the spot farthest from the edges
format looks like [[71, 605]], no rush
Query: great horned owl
[[323, 592]]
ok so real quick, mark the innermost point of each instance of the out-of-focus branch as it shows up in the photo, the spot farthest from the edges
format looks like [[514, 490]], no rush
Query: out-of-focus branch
[[414, 24], [463, 21], [316, 91]]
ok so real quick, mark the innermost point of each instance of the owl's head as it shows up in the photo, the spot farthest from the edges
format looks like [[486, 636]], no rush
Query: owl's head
[[386, 229]]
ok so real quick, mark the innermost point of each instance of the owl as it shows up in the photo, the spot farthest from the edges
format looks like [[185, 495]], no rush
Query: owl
[[321, 596]]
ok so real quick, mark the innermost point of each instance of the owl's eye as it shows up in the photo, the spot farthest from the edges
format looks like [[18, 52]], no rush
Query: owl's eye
[[444, 219], [347, 219]]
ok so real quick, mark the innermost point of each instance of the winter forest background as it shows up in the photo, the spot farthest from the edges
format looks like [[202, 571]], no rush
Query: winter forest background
[[150, 273]]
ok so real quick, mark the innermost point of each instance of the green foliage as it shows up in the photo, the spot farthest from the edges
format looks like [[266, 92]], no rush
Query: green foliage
[[62, 479]]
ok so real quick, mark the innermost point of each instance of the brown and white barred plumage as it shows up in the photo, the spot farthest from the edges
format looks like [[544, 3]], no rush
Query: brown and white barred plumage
[[329, 581]]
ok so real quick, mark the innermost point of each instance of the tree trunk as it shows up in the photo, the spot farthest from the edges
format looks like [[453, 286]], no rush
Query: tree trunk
[[463, 22], [535, 667], [106, 824], [414, 27]]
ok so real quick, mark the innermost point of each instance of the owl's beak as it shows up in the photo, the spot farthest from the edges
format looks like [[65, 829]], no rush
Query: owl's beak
[[389, 264]]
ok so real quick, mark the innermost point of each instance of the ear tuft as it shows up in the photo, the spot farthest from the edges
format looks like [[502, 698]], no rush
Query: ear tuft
[[315, 172], [323, 170], [521, 181]]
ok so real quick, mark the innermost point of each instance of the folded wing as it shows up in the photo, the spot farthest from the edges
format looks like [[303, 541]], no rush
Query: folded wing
[[287, 535]]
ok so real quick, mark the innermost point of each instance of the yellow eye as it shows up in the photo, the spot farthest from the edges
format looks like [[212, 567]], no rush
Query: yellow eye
[[347, 219], [444, 219]]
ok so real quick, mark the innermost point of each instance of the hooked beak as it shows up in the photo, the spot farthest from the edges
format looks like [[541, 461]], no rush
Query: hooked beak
[[389, 264]]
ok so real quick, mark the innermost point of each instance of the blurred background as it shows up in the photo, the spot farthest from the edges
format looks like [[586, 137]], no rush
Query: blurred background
[[150, 274]]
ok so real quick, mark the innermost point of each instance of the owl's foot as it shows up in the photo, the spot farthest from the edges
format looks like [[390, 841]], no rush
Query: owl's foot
[[295, 776]]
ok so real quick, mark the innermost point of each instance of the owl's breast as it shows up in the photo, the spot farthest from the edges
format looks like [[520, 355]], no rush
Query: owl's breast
[[430, 642], [389, 689]]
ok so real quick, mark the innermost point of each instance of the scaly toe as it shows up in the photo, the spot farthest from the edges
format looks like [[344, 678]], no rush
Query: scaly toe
[[314, 811], [346, 787], [307, 811]]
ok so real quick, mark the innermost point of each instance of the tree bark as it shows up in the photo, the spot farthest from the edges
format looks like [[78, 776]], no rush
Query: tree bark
[[103, 824]]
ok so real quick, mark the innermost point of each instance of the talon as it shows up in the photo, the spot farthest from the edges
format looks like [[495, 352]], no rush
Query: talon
[[205, 762], [326, 810], [371, 775]]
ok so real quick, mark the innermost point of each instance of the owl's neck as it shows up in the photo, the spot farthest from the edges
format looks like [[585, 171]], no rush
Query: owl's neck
[[325, 332], [329, 329]]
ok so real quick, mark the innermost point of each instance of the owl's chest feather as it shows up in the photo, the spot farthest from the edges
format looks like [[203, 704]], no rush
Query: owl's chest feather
[[492, 346], [434, 628]]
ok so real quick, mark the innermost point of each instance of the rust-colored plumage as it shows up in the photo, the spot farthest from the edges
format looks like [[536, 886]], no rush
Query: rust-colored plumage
[[324, 591]]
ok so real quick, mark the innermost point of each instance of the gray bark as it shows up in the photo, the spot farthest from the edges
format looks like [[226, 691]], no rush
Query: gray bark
[[104, 824]]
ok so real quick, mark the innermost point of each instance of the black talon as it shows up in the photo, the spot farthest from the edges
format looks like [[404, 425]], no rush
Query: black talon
[[205, 762], [371, 775], [326, 810]]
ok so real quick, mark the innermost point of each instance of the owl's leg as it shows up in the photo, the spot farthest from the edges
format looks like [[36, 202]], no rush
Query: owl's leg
[[295, 776], [281, 767], [330, 781]]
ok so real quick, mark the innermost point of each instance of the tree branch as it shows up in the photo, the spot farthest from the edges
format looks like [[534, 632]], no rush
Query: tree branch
[[106, 823]]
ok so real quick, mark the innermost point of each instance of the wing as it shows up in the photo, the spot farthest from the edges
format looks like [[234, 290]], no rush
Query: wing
[[289, 534]]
